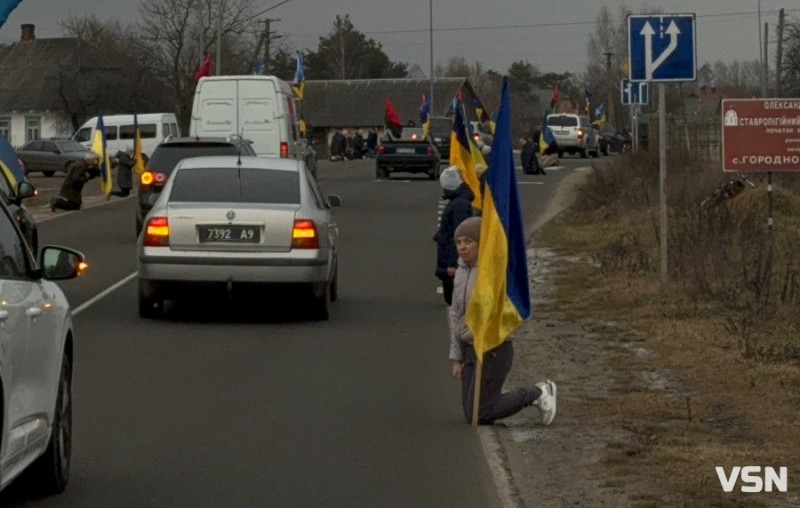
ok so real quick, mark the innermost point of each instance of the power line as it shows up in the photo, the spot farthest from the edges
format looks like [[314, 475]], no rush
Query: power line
[[545, 25], [270, 8]]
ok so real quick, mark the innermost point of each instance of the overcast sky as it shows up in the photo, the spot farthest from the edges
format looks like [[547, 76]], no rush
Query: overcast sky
[[549, 34]]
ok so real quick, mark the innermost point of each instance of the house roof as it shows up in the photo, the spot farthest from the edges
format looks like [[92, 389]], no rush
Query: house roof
[[31, 71], [360, 102]]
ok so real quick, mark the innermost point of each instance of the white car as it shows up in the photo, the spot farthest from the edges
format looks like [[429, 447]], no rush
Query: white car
[[574, 134], [36, 356], [237, 222]]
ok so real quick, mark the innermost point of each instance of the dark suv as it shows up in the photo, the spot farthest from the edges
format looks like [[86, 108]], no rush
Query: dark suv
[[167, 155]]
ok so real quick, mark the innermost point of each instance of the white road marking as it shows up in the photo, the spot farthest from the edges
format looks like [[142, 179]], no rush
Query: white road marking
[[102, 294], [530, 183]]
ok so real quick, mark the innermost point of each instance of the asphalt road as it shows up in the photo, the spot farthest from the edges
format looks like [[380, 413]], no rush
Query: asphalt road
[[244, 403]]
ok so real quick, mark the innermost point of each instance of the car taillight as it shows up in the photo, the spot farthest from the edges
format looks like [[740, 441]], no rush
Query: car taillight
[[284, 150], [381, 149], [430, 150], [580, 133], [304, 235], [154, 178], [156, 233], [477, 137]]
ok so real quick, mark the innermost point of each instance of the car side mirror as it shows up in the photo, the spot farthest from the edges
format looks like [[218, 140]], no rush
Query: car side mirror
[[333, 201], [61, 263], [25, 190]]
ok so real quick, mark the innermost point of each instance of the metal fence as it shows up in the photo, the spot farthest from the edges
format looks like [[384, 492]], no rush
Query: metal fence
[[698, 137]]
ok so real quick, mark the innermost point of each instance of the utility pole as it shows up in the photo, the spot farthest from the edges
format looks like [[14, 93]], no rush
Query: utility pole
[[765, 70], [267, 39], [610, 85], [779, 57]]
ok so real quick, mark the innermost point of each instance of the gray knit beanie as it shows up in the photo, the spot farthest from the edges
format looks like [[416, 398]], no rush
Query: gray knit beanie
[[471, 228]]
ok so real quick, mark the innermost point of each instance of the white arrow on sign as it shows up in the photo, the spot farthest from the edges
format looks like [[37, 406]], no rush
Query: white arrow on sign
[[648, 33]]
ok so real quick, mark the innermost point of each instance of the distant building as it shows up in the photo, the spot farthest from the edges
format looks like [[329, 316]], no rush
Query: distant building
[[331, 105], [49, 86]]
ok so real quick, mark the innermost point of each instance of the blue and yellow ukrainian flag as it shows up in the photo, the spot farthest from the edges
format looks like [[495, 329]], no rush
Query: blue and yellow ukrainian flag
[[461, 156], [9, 163], [299, 83], [501, 299], [600, 115], [425, 115], [137, 147], [546, 137], [99, 147]]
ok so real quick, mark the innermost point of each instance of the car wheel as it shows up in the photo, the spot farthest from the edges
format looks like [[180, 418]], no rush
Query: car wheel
[[322, 301], [433, 173], [583, 153], [50, 473], [605, 150], [561, 154], [139, 225], [380, 172], [48, 173], [151, 305]]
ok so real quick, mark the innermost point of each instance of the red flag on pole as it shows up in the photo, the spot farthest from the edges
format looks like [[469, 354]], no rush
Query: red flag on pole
[[204, 70], [554, 101], [393, 121]]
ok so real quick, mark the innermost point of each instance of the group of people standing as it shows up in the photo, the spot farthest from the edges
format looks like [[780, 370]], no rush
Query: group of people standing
[[457, 242], [346, 145]]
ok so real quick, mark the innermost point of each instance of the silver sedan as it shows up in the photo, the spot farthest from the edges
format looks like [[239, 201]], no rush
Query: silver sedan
[[232, 221]]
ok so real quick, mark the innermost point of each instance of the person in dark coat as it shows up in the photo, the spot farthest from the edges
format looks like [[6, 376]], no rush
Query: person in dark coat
[[338, 146], [125, 164], [372, 142], [69, 197], [458, 208], [530, 163]]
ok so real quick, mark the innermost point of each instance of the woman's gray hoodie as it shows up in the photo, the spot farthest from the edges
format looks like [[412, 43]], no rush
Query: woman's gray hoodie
[[463, 284]]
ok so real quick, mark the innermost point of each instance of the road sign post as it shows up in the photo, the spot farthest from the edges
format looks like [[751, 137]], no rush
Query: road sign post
[[662, 48], [634, 92]]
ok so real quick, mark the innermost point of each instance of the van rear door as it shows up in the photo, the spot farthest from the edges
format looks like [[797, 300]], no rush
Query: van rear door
[[216, 113], [259, 115]]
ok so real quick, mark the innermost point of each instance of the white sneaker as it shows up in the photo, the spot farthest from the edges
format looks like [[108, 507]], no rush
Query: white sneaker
[[547, 401]]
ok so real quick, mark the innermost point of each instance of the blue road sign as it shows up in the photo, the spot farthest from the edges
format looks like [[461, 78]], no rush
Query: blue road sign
[[662, 47], [634, 92]]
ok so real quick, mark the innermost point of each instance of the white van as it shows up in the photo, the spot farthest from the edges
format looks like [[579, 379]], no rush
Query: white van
[[257, 108], [153, 128]]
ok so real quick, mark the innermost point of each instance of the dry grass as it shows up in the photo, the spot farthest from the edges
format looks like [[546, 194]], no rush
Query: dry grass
[[720, 383]]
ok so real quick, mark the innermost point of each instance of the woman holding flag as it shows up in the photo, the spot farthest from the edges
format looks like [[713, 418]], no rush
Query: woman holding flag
[[491, 299], [494, 405]]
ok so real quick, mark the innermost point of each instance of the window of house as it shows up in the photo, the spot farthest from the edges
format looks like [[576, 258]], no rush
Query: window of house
[[5, 127], [33, 127]]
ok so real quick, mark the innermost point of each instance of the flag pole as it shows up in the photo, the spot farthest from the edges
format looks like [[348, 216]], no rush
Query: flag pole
[[430, 14], [476, 395]]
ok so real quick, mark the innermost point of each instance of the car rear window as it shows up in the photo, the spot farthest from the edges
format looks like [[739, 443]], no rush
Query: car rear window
[[228, 185], [562, 121], [166, 157]]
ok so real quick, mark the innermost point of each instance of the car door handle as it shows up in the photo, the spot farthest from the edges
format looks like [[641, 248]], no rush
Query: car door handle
[[3, 315], [33, 312]]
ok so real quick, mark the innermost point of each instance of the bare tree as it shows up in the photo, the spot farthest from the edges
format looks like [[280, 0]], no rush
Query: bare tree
[[176, 34], [607, 50], [790, 67], [109, 75]]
